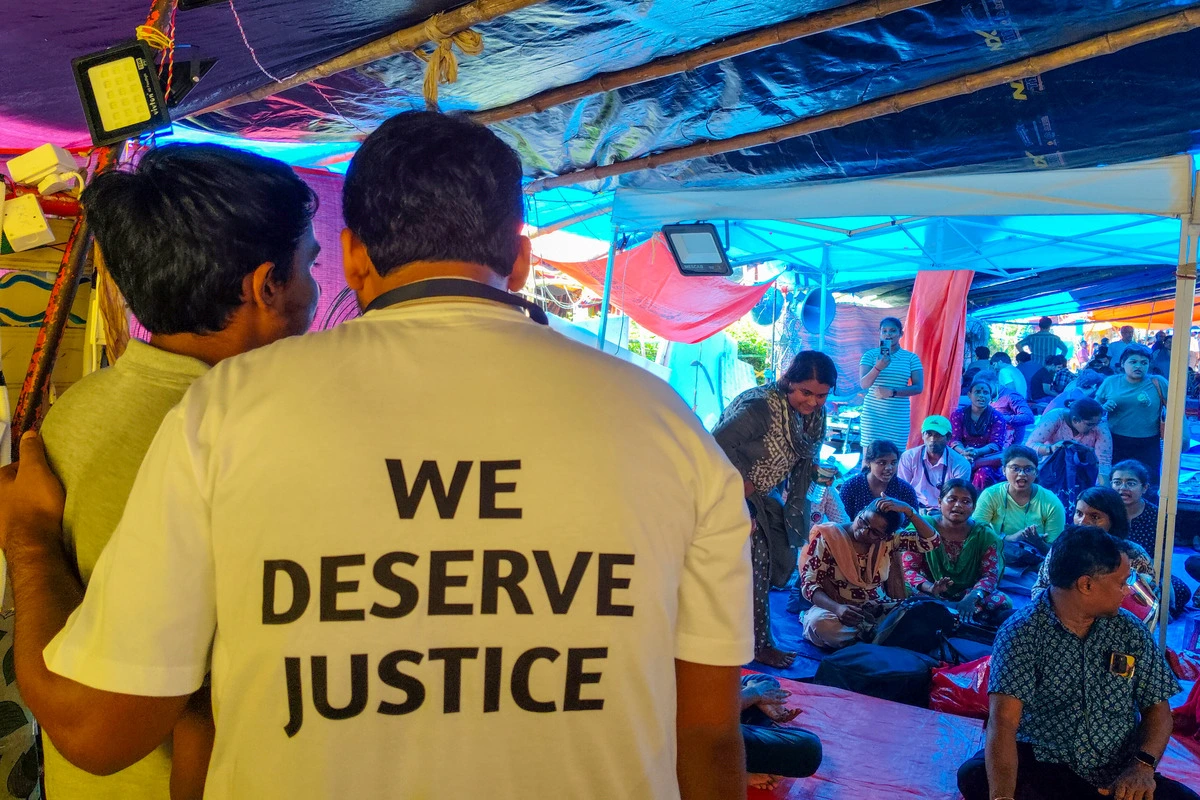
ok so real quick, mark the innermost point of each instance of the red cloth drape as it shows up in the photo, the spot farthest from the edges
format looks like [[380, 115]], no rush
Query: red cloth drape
[[935, 331], [649, 288]]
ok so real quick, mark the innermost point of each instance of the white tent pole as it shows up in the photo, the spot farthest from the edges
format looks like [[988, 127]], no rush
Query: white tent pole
[[607, 299], [1185, 300], [824, 315]]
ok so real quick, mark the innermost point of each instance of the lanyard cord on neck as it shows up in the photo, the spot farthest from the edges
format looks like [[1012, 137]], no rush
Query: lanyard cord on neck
[[456, 287]]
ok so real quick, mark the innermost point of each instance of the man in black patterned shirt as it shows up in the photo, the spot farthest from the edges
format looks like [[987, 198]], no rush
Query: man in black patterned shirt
[[1078, 688]]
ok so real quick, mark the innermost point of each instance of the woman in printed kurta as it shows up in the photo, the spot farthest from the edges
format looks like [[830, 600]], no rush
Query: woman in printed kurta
[[978, 432], [843, 569], [965, 567], [772, 433]]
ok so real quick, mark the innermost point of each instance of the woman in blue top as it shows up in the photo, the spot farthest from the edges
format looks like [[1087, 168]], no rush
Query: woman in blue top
[[1135, 400]]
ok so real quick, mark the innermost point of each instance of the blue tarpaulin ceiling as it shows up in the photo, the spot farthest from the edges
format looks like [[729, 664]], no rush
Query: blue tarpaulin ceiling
[[1136, 104]]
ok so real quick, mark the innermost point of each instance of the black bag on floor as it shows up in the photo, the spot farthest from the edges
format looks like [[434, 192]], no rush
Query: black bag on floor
[[889, 673], [919, 624]]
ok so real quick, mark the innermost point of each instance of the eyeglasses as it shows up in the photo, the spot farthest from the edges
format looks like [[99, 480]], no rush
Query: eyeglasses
[[1015, 470], [1129, 484]]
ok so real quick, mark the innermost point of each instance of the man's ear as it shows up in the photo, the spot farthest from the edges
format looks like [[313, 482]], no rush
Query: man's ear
[[356, 262], [521, 266], [261, 288]]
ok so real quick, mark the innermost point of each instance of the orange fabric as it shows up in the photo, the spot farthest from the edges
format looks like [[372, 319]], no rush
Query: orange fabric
[[1157, 313], [935, 330], [649, 288]]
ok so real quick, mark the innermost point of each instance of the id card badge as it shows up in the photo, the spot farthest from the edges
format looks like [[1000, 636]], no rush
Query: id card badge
[[1122, 665]]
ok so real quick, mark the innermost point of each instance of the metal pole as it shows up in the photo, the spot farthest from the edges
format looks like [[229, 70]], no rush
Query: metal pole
[[824, 316], [1164, 535], [607, 299]]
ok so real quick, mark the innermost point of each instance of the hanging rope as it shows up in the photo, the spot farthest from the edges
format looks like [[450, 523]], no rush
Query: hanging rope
[[442, 63]]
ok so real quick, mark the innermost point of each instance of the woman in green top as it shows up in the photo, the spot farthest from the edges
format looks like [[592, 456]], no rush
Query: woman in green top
[[966, 566], [1028, 516], [1134, 400]]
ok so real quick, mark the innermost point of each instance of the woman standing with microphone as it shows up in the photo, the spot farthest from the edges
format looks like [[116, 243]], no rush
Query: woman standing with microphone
[[889, 375]]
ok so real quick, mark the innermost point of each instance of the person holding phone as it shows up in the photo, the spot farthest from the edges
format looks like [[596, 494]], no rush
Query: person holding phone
[[889, 376]]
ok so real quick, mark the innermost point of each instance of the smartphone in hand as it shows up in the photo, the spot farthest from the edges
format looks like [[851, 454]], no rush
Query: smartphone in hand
[[884, 348]]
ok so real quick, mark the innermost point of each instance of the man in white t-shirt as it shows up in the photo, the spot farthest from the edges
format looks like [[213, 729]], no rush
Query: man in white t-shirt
[[404, 584]]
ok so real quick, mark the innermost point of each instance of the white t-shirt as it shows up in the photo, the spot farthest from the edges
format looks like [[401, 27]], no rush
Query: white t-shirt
[[515, 640]]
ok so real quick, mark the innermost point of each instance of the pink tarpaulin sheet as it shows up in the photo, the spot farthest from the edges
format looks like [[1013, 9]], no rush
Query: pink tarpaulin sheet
[[649, 288], [887, 751], [934, 329]]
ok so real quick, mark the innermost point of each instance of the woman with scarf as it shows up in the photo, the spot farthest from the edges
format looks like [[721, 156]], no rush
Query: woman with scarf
[[843, 569], [772, 433], [1135, 401], [965, 567], [977, 432]]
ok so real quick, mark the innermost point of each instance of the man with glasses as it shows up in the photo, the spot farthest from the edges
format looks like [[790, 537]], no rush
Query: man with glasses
[[1028, 516], [1078, 690]]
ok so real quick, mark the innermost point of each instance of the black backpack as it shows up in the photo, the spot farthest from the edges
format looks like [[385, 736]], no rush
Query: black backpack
[[1068, 471], [889, 673], [919, 624]]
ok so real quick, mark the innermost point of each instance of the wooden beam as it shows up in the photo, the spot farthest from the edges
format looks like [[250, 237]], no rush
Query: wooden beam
[[402, 41], [782, 33], [1107, 44]]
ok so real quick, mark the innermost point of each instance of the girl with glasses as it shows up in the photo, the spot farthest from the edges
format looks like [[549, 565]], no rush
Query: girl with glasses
[[1028, 516], [1130, 480], [843, 569]]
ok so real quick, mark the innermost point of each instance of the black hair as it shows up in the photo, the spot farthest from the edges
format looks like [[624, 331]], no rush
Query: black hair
[[1134, 466], [893, 520], [959, 483], [982, 353], [984, 377], [1085, 408], [812, 365], [1056, 359], [431, 187], [1133, 350], [1018, 451], [1104, 499], [1044, 323], [1024, 358], [1088, 377], [1000, 355], [1082, 550], [1102, 352], [180, 232], [892, 321], [878, 449]]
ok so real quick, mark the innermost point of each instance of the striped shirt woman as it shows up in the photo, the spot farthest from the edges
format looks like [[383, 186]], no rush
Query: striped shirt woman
[[889, 376]]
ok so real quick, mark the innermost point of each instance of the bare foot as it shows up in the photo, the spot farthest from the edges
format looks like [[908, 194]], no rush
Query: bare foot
[[757, 780], [774, 657]]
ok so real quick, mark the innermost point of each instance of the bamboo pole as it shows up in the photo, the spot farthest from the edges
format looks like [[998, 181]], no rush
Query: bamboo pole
[[782, 33], [402, 41], [1179, 22], [36, 388]]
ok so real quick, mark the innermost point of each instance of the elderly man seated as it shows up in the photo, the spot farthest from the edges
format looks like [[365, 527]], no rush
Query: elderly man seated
[[1078, 689]]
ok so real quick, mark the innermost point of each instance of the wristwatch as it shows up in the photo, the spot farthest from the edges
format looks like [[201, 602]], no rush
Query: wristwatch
[[1145, 758]]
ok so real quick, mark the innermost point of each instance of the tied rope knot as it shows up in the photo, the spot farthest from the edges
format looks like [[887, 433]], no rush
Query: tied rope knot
[[442, 63], [155, 38]]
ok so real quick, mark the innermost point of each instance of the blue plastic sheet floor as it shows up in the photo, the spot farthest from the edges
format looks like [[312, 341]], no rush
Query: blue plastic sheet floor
[[1182, 633]]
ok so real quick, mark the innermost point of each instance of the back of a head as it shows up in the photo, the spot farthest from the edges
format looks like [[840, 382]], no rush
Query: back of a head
[[1088, 378], [982, 353], [1024, 358], [1086, 408], [1045, 323], [1082, 550], [430, 187], [811, 365], [1001, 358], [181, 231], [893, 520]]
